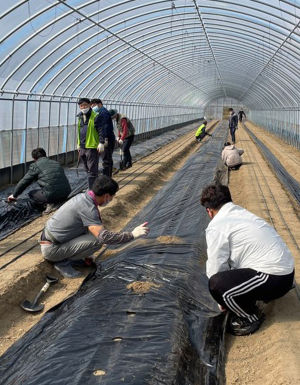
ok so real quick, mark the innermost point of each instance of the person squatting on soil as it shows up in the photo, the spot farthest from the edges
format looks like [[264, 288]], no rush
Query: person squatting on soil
[[50, 176], [232, 124], [125, 135], [247, 261], [105, 128], [201, 133], [76, 231], [231, 156], [241, 113]]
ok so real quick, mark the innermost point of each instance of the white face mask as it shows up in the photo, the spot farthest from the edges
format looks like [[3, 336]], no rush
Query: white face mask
[[85, 110], [106, 202]]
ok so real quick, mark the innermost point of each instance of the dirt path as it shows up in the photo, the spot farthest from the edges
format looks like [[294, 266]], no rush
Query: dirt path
[[23, 278], [270, 356]]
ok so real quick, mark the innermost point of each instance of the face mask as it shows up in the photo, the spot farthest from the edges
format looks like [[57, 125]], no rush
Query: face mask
[[106, 202], [96, 109], [85, 110]]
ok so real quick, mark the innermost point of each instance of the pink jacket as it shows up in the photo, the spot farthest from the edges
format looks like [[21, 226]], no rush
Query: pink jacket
[[231, 156]]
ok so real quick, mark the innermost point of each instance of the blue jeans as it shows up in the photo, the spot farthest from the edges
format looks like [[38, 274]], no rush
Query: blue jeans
[[232, 133]]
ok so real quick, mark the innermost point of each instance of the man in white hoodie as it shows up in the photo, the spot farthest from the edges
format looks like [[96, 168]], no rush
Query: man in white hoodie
[[231, 156], [247, 261]]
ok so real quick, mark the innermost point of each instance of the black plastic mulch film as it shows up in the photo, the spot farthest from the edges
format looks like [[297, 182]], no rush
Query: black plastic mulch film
[[108, 334], [15, 215]]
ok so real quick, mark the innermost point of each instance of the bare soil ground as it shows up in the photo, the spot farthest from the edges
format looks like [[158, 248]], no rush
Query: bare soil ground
[[269, 356]]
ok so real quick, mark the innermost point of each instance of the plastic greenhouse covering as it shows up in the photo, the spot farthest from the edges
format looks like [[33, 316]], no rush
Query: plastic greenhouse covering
[[164, 64], [160, 62]]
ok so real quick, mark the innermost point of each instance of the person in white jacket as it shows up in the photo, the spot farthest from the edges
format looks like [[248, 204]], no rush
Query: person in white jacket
[[247, 261], [231, 156]]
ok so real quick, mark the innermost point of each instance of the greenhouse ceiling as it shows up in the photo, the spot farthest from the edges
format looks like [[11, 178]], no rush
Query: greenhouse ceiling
[[180, 52]]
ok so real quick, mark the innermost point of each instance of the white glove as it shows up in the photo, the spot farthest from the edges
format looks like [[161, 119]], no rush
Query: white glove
[[100, 148], [11, 198], [120, 142], [140, 231]]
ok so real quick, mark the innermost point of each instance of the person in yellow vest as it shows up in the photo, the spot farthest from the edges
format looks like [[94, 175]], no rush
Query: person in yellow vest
[[201, 133], [88, 141], [125, 135]]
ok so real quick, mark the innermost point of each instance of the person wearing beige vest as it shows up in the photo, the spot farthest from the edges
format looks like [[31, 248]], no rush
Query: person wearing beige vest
[[125, 138], [231, 156]]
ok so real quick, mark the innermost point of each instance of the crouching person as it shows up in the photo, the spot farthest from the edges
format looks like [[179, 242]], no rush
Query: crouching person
[[76, 231], [50, 176], [231, 156], [201, 133], [247, 261]]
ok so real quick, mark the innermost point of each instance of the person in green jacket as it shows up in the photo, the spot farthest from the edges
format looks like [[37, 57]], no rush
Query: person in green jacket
[[50, 176], [201, 133], [89, 143]]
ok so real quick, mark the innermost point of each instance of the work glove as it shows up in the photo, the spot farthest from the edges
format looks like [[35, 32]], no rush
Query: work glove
[[100, 148], [11, 198], [140, 231], [120, 142]]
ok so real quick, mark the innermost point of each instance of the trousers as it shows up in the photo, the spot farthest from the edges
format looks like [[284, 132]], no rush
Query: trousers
[[238, 290], [90, 158], [75, 249]]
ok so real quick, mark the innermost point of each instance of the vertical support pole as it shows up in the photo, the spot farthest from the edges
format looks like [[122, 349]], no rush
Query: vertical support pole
[[49, 122], [58, 129], [26, 136], [12, 141], [67, 134]]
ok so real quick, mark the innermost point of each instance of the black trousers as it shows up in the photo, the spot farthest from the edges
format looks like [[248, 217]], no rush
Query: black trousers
[[90, 159], [39, 197], [200, 137], [107, 160], [126, 146], [238, 290]]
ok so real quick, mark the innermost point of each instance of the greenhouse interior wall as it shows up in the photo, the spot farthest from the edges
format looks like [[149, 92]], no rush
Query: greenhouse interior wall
[[32, 121]]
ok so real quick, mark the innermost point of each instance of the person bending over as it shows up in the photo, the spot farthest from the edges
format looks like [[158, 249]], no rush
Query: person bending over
[[247, 261], [50, 176], [76, 231], [231, 156]]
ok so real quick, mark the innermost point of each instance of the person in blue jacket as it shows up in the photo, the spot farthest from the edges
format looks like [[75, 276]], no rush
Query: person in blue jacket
[[104, 126]]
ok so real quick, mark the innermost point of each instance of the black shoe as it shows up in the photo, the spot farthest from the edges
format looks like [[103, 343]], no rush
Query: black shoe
[[239, 326], [66, 270]]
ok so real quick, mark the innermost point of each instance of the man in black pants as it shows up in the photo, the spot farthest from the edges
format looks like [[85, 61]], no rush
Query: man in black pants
[[232, 123], [51, 177], [247, 260], [241, 113], [125, 135], [104, 126]]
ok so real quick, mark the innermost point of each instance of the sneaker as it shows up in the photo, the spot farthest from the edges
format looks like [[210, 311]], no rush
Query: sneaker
[[66, 270], [222, 309], [239, 326], [51, 207]]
